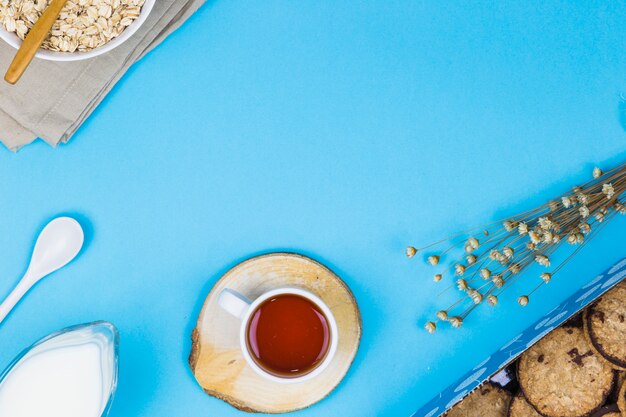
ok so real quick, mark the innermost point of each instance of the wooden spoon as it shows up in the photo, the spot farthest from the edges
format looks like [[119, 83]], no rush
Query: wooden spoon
[[33, 41]]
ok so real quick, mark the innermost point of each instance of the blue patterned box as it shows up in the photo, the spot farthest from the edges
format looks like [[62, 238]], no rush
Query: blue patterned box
[[509, 352]]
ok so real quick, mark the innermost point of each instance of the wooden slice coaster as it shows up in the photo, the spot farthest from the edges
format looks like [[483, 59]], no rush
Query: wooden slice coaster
[[216, 359]]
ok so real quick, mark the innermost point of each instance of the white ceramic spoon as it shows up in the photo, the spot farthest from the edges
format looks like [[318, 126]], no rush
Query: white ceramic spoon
[[58, 243]]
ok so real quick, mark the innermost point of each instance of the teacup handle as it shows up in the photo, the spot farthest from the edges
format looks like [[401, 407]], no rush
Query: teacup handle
[[234, 303]]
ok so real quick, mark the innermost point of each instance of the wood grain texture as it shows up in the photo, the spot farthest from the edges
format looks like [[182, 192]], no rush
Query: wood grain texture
[[216, 360]]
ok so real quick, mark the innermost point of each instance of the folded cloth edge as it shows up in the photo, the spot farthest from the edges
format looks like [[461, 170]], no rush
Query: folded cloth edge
[[177, 21], [14, 134]]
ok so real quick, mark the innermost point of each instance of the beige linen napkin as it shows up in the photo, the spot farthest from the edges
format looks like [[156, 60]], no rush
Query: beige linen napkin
[[53, 99]]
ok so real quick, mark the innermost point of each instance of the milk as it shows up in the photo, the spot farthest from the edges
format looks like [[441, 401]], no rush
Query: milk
[[69, 375]]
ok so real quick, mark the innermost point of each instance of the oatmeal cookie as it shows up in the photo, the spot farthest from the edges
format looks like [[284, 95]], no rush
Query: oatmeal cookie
[[486, 401], [605, 326], [562, 376], [521, 408]]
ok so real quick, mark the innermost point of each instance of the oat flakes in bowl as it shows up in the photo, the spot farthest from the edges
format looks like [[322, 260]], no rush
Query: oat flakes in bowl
[[85, 28]]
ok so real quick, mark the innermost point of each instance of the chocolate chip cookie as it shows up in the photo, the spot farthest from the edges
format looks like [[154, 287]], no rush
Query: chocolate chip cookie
[[486, 401], [562, 376], [521, 408], [605, 325]]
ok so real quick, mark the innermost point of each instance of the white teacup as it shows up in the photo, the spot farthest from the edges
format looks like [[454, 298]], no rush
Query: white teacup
[[241, 307]]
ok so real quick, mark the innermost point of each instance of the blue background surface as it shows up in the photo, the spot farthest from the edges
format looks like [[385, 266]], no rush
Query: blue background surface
[[343, 130]]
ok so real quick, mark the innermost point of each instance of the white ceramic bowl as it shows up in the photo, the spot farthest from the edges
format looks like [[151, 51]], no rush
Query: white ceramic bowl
[[13, 40]]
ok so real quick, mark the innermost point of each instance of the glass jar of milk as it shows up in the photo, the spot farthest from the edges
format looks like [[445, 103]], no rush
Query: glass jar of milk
[[71, 373]]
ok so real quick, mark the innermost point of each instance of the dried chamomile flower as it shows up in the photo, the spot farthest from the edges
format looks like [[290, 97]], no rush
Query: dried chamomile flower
[[476, 297], [580, 238], [442, 315], [492, 300], [410, 251], [510, 225], [597, 173], [498, 281], [437, 277], [522, 228], [546, 277], [608, 190], [599, 217], [531, 246], [508, 252], [620, 208], [548, 237], [468, 248], [459, 269], [494, 254], [456, 322], [471, 259], [582, 198], [575, 238], [585, 228], [542, 260], [567, 201], [584, 211], [534, 237], [473, 242], [523, 300], [461, 284], [430, 327], [515, 268], [433, 260], [545, 223], [485, 273]]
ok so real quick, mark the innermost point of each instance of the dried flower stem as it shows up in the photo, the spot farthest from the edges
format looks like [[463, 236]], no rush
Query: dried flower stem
[[496, 258]]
